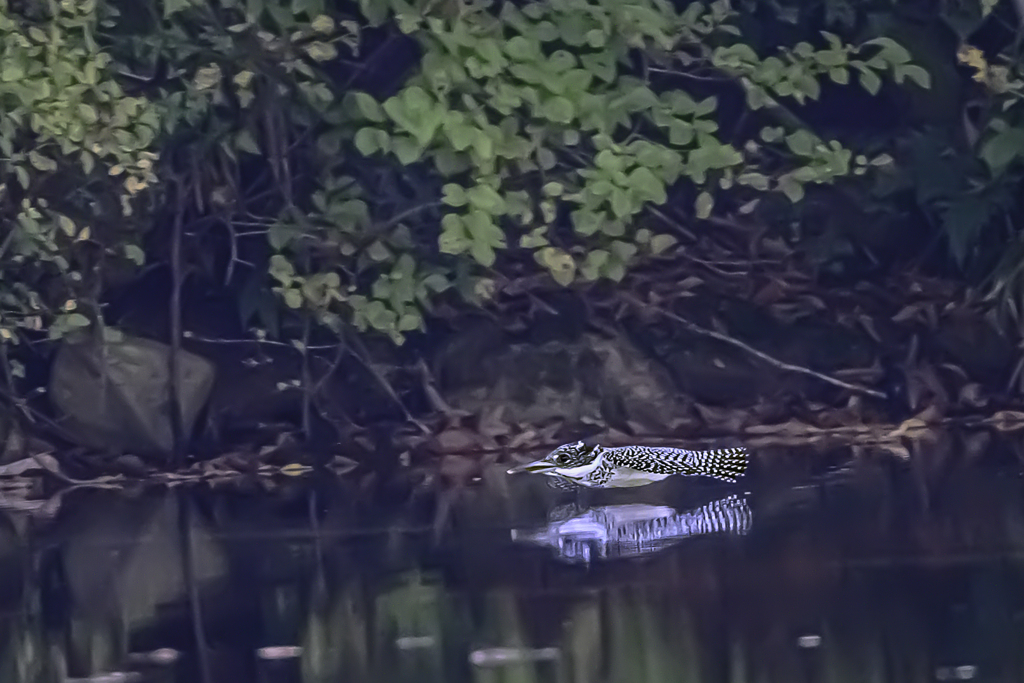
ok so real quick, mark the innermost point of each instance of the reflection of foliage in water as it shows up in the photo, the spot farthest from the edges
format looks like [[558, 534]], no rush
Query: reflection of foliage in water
[[856, 585]]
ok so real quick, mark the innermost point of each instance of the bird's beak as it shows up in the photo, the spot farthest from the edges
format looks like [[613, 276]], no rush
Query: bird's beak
[[537, 466]]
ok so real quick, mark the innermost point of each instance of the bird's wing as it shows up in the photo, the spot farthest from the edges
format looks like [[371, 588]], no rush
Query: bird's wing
[[656, 460]]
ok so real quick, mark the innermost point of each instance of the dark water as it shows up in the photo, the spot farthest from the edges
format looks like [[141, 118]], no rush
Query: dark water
[[879, 571]]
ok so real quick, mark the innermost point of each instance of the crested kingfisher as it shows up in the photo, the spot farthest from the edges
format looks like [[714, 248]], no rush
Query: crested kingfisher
[[628, 466]]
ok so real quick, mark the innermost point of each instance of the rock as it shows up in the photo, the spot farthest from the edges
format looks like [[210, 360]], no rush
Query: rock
[[123, 559], [114, 395], [712, 372], [592, 378], [973, 343]]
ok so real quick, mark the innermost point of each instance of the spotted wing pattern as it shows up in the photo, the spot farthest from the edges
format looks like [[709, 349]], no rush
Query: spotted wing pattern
[[727, 464], [603, 473]]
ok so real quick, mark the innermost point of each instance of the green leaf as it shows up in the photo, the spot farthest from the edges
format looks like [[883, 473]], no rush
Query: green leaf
[[553, 189], [622, 204], [801, 142], [870, 81], [482, 253], [758, 181], [791, 187], [521, 49], [406, 149], [592, 265], [839, 75], [88, 162], [245, 142], [680, 132], [660, 243], [963, 220], [66, 225], [367, 106], [486, 198], [292, 298], [454, 195], [559, 110], [366, 141], [647, 185], [410, 321], [1002, 149], [378, 252], [624, 251], [40, 162], [323, 24], [705, 202], [609, 161], [460, 133], [75, 321], [913, 72], [891, 51], [640, 98], [11, 71], [560, 264], [705, 107], [436, 282], [135, 254], [88, 113]]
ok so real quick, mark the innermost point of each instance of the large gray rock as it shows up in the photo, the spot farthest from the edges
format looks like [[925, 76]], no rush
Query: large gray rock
[[123, 559], [115, 395], [594, 378]]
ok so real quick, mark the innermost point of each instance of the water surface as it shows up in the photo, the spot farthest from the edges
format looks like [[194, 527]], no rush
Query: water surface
[[878, 571]]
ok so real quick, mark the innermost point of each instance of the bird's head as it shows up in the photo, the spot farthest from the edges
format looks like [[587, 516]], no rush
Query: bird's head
[[572, 461]]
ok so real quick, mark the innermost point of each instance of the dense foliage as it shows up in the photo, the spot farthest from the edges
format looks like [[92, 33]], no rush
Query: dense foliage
[[355, 164], [536, 134]]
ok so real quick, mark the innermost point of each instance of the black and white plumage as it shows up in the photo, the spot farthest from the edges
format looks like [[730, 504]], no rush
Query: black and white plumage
[[600, 467]]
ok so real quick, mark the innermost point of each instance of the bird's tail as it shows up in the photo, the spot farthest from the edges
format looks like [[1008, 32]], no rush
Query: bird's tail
[[727, 464]]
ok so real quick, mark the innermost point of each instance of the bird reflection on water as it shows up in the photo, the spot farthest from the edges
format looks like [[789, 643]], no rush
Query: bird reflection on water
[[580, 534]]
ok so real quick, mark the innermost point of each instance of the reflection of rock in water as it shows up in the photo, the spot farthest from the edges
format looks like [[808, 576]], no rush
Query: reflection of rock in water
[[615, 531]]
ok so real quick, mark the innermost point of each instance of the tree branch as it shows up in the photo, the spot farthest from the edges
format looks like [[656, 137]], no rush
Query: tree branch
[[782, 365]]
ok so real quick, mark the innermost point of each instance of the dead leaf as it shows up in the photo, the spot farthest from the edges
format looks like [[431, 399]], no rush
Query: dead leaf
[[491, 424], [907, 313], [521, 439], [907, 427], [1006, 420], [39, 461], [971, 394], [343, 465], [456, 440], [690, 283], [897, 449], [20, 467], [458, 468], [869, 326], [790, 428]]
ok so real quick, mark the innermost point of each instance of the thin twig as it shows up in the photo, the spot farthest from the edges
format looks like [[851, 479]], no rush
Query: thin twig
[[266, 342], [307, 380], [360, 353], [177, 429], [188, 573], [782, 365]]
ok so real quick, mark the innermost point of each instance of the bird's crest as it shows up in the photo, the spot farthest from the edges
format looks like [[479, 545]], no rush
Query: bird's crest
[[572, 455]]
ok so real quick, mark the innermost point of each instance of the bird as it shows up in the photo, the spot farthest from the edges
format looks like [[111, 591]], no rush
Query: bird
[[630, 466]]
